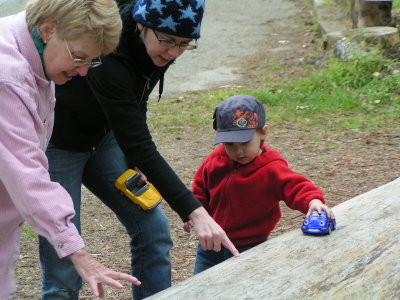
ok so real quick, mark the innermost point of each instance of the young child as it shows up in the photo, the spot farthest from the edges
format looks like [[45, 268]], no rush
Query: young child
[[242, 181]]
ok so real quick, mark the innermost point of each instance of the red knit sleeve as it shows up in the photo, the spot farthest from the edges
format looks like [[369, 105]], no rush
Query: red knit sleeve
[[294, 189]]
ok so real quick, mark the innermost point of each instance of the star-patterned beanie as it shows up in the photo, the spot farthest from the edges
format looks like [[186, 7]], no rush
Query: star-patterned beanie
[[181, 18]]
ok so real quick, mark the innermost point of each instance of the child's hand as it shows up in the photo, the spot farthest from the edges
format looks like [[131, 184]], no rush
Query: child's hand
[[317, 205], [187, 226]]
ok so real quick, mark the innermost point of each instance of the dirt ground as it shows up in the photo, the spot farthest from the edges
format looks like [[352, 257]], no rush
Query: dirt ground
[[344, 164]]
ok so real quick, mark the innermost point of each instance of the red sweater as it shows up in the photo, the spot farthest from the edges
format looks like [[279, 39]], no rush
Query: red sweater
[[244, 199]]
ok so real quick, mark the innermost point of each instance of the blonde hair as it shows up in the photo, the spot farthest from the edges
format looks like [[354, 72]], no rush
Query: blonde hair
[[97, 19]]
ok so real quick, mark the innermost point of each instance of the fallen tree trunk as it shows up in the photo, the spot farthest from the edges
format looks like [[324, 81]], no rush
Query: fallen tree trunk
[[360, 260]]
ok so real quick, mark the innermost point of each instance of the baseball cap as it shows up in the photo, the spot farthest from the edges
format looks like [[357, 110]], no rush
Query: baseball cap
[[237, 118]]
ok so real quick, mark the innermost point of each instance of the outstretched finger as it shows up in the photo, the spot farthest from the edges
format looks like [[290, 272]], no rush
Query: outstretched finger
[[126, 277], [110, 282], [226, 242]]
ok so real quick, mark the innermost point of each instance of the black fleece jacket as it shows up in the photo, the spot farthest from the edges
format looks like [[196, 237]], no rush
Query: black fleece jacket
[[114, 97]]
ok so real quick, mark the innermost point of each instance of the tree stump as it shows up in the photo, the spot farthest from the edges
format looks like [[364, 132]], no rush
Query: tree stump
[[387, 37], [369, 13]]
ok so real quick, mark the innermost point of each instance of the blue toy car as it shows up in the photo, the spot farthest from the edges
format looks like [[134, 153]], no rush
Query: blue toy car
[[318, 224]]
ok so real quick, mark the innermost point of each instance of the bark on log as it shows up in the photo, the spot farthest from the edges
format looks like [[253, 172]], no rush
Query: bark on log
[[360, 260]]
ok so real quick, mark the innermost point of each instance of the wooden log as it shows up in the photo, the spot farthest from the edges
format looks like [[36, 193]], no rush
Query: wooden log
[[360, 260]]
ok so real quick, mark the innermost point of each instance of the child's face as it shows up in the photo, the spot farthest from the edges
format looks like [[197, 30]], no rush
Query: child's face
[[244, 153]]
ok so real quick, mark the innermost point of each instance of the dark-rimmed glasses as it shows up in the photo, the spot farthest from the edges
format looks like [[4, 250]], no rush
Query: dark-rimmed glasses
[[81, 62], [170, 43]]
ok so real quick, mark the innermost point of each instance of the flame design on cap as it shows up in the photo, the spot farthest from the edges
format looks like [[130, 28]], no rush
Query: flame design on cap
[[245, 119]]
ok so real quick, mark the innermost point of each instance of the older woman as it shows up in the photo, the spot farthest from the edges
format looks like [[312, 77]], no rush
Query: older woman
[[52, 41]]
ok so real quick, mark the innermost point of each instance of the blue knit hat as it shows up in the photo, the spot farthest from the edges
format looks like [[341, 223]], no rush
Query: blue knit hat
[[181, 18]]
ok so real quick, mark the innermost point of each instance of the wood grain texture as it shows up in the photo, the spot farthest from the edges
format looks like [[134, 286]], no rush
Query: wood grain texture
[[360, 260]]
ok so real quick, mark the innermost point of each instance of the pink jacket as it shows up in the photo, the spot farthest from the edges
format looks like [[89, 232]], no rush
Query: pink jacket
[[244, 199], [26, 120]]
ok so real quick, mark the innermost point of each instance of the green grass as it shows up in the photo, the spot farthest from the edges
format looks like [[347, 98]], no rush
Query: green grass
[[396, 6], [28, 233], [363, 93], [360, 94]]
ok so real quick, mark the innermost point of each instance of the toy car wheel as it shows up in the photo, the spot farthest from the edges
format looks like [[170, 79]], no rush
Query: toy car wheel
[[329, 230]]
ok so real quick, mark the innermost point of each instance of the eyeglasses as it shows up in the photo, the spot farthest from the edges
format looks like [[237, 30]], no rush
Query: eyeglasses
[[81, 62], [170, 43]]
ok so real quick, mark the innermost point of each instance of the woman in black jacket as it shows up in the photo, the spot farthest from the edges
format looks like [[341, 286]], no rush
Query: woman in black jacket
[[101, 131]]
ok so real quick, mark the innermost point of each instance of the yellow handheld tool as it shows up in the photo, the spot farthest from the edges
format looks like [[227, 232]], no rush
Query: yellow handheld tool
[[145, 196]]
